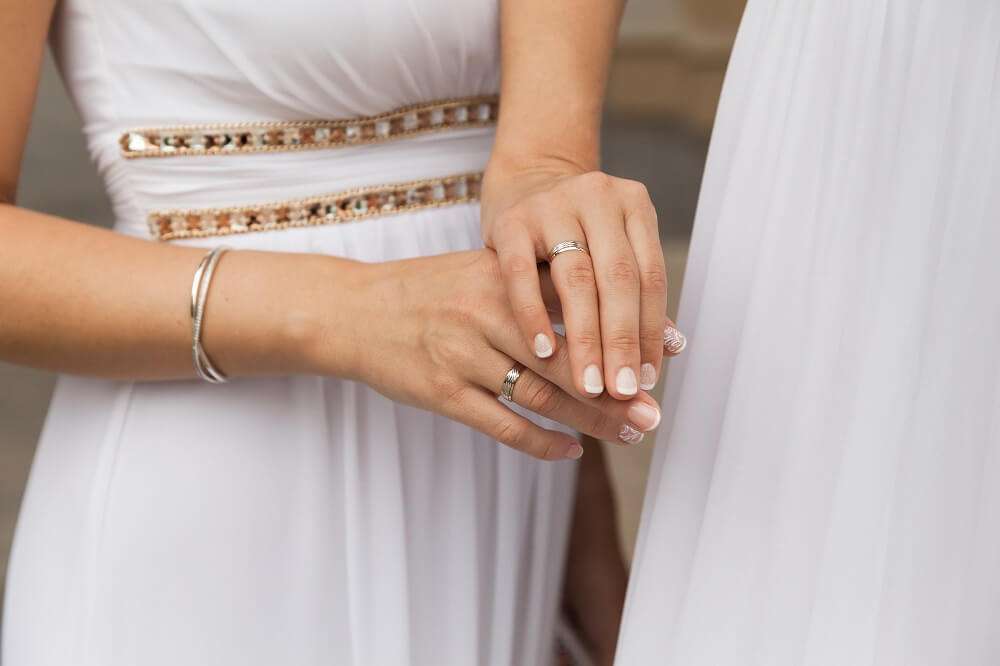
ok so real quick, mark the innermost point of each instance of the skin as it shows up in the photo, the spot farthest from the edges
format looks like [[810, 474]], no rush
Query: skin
[[596, 578], [83, 300], [543, 186]]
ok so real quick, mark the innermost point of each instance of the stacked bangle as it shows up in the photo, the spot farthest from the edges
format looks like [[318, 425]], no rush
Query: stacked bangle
[[199, 295]]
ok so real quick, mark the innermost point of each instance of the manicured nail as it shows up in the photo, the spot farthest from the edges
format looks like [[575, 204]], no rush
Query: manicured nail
[[575, 451], [543, 346], [630, 435], [674, 341], [644, 416], [593, 382], [647, 376], [626, 382]]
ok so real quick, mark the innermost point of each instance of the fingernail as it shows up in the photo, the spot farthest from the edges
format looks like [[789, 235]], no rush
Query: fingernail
[[630, 435], [644, 416], [674, 341], [625, 382], [593, 382], [543, 346], [647, 376], [575, 451]]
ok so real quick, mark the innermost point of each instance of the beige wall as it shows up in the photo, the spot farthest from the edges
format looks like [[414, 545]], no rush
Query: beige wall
[[672, 58]]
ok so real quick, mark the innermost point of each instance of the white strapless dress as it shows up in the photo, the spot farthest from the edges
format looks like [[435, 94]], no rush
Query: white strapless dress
[[296, 520], [826, 489]]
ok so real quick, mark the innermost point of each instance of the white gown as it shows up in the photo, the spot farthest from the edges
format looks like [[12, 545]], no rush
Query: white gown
[[826, 489], [297, 520]]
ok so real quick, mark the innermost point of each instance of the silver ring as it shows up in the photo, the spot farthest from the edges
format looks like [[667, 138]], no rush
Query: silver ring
[[566, 246], [507, 388]]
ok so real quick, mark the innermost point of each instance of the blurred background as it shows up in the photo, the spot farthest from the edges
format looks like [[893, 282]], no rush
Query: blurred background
[[665, 84]]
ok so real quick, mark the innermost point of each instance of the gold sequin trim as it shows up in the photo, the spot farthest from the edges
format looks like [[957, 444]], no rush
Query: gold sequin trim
[[252, 137], [349, 206]]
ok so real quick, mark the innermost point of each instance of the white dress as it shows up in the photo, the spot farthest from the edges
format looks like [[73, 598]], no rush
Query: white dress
[[826, 489], [295, 520]]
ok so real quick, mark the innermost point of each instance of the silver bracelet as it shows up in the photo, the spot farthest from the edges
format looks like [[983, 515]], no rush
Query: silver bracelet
[[199, 295]]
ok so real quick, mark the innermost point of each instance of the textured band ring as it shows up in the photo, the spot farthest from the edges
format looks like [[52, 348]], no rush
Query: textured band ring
[[507, 388], [566, 246]]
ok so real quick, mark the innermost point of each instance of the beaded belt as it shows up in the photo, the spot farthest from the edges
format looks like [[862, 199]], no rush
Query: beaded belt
[[340, 207], [349, 206], [235, 138]]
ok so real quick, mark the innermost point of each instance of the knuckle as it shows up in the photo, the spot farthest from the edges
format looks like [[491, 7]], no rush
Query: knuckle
[[652, 339], [605, 425], [518, 266], [489, 266], [654, 281], [584, 339], [596, 180], [452, 391], [512, 433], [451, 351], [635, 191], [542, 397], [622, 273], [531, 310], [580, 274], [622, 341]]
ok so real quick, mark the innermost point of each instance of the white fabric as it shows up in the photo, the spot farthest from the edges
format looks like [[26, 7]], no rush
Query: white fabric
[[826, 489], [297, 520]]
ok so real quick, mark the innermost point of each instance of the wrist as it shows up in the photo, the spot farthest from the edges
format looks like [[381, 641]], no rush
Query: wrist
[[272, 313], [323, 330], [505, 164]]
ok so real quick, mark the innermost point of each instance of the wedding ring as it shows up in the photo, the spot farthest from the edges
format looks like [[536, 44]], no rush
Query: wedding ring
[[566, 246], [507, 388]]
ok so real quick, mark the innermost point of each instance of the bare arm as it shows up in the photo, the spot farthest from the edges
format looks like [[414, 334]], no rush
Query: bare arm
[[543, 187], [83, 300], [555, 59], [80, 299]]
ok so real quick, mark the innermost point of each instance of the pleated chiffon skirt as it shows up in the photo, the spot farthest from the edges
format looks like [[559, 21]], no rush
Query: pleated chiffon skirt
[[826, 489], [288, 520]]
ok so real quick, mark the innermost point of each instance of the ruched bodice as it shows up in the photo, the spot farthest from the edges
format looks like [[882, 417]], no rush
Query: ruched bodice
[[152, 64]]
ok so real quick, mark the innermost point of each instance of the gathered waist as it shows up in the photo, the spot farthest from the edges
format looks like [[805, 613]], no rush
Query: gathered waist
[[442, 168], [197, 181]]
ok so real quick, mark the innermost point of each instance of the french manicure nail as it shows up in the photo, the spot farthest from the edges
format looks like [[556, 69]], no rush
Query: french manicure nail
[[674, 341], [593, 382], [644, 416], [543, 346], [647, 376], [629, 434], [626, 382], [575, 451]]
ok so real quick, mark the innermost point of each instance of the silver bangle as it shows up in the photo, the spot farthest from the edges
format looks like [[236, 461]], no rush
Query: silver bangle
[[199, 295]]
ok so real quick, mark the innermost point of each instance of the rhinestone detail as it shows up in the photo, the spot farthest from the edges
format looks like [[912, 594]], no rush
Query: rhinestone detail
[[252, 137], [342, 207]]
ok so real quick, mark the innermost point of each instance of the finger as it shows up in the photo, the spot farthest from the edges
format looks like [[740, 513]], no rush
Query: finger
[[617, 277], [674, 342], [610, 416], [643, 234], [478, 409], [551, 298], [604, 418], [572, 275], [518, 264]]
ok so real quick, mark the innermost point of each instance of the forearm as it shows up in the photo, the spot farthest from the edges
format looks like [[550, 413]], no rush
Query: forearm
[[555, 60], [83, 300]]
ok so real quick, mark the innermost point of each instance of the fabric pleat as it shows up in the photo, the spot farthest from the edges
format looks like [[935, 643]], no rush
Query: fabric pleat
[[824, 487], [295, 520]]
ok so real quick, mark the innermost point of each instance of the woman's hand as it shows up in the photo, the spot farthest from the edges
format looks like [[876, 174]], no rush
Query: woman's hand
[[438, 333], [614, 298]]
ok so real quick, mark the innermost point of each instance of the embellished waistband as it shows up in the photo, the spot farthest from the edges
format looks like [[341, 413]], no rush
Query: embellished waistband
[[249, 137], [337, 208]]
